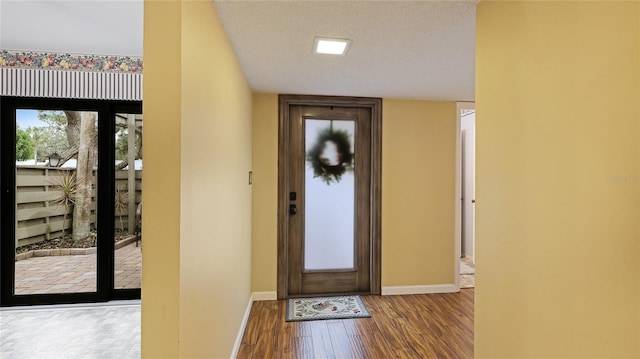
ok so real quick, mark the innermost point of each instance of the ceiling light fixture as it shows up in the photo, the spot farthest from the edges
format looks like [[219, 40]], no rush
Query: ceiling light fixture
[[323, 45]]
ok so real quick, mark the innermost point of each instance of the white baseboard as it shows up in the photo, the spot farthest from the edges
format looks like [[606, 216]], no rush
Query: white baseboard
[[258, 296], [420, 289], [255, 296], [243, 325]]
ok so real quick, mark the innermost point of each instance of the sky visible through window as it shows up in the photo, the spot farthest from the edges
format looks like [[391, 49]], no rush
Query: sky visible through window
[[29, 118]]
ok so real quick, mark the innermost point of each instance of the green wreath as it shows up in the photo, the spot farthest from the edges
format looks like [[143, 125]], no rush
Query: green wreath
[[321, 166]]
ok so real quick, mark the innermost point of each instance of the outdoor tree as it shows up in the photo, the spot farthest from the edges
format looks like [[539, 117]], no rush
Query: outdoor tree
[[80, 130], [38, 137], [57, 120], [64, 126], [24, 147], [54, 136], [84, 125], [122, 144]]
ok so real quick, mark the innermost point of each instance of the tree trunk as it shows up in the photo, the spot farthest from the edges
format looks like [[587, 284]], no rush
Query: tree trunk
[[124, 163], [74, 119], [84, 175]]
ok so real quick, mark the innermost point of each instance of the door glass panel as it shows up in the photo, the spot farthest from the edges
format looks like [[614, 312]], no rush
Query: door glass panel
[[329, 195], [128, 201], [56, 167]]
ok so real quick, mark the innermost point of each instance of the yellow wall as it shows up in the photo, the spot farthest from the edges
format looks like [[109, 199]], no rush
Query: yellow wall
[[211, 135], [417, 194], [265, 192], [161, 195], [558, 127]]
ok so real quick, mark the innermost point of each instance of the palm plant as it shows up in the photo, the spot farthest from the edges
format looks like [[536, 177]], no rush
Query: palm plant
[[67, 184], [122, 202]]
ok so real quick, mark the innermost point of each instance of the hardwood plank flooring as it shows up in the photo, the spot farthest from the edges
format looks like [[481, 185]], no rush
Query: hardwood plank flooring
[[411, 326]]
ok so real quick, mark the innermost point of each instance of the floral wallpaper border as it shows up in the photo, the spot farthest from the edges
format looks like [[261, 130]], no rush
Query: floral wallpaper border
[[69, 62]]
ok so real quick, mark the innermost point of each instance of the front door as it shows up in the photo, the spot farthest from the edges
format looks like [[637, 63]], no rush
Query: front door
[[330, 195]]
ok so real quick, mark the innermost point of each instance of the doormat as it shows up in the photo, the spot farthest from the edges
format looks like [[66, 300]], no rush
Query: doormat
[[318, 308]]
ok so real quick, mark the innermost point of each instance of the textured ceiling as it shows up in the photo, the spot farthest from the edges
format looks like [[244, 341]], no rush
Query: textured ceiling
[[400, 49]]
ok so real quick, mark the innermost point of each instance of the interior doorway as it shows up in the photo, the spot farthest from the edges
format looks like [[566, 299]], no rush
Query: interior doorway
[[329, 196], [465, 196], [468, 175]]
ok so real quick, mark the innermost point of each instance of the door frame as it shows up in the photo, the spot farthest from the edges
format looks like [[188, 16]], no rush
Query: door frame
[[375, 105]]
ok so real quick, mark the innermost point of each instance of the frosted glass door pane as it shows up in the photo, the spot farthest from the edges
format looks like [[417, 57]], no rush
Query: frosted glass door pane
[[329, 195]]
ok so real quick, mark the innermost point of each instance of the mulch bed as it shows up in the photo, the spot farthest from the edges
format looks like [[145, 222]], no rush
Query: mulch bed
[[67, 242]]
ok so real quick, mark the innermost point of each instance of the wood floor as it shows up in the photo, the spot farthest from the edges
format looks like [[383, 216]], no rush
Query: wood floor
[[412, 326]]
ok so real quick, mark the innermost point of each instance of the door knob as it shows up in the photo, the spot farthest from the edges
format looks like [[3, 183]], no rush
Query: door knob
[[293, 210]]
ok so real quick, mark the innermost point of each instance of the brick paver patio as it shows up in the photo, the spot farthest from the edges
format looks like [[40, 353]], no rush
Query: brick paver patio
[[76, 273]]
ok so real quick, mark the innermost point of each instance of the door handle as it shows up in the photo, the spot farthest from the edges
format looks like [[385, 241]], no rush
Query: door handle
[[293, 210]]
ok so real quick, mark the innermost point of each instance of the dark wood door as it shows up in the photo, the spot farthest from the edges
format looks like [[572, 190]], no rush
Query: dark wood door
[[329, 202]]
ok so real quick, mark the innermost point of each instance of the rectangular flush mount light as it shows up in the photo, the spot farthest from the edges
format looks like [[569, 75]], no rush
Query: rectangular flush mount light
[[323, 45]]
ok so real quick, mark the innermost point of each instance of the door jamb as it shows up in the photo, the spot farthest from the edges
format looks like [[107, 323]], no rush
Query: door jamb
[[375, 104]]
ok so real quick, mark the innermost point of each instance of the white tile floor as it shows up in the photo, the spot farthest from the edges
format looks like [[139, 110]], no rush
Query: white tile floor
[[110, 330], [467, 273]]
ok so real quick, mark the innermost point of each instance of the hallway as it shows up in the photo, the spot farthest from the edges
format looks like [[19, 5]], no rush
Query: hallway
[[411, 326]]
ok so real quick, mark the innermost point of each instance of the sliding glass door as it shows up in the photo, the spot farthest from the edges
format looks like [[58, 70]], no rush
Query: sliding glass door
[[128, 201], [55, 201], [64, 203]]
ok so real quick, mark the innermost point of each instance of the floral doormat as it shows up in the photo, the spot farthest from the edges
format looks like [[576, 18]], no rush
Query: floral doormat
[[343, 307]]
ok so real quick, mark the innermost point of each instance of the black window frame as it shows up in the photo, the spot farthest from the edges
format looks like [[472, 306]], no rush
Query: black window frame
[[107, 110]]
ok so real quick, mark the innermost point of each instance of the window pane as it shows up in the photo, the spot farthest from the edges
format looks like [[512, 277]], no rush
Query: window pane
[[128, 201], [329, 195], [56, 165]]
